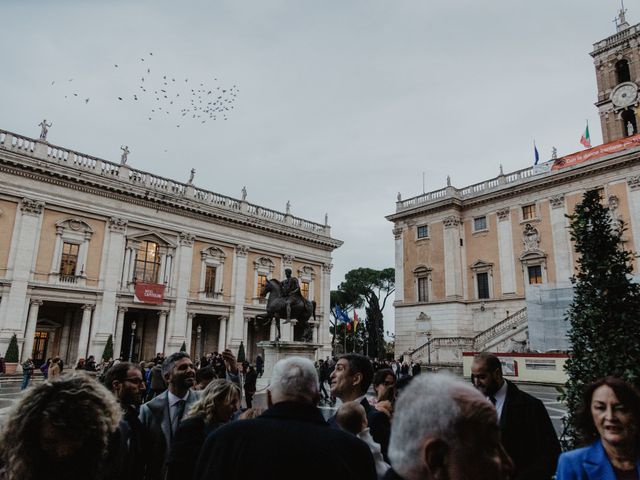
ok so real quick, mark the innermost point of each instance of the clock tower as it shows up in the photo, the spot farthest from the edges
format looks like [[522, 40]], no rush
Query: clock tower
[[617, 62]]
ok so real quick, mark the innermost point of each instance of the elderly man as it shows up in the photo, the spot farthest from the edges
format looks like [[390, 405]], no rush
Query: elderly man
[[527, 432], [290, 440], [126, 382], [350, 382], [444, 428], [162, 415]]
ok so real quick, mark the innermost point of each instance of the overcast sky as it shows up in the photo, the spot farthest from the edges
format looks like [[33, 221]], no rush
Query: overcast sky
[[341, 103]]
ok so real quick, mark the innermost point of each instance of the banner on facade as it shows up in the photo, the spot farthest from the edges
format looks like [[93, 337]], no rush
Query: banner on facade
[[597, 152], [149, 293]]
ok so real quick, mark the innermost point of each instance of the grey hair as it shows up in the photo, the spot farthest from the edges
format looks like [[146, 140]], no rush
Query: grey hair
[[295, 378], [426, 408], [170, 361]]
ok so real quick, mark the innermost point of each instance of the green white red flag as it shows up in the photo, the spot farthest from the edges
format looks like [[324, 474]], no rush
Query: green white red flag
[[585, 140]]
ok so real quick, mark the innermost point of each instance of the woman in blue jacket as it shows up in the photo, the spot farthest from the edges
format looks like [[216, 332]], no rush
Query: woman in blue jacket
[[610, 422]]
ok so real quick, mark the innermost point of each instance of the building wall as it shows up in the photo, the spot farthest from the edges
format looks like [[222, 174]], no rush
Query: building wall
[[7, 220]]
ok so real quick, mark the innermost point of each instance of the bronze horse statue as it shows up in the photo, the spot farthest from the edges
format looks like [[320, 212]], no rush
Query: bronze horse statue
[[301, 310]]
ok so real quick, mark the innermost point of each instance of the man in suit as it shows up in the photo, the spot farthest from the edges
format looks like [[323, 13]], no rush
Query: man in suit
[[350, 382], [162, 415], [444, 428], [526, 429], [290, 440]]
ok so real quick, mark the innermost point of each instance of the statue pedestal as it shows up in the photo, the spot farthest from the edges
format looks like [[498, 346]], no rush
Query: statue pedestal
[[274, 351]]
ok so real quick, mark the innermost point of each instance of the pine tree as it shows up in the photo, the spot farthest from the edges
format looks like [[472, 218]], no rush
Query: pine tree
[[183, 348], [12, 354], [108, 349], [604, 317]]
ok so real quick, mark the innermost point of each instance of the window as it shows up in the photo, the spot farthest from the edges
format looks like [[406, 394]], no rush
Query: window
[[423, 231], [479, 223], [622, 71], [423, 289], [210, 282], [304, 289], [483, 285], [69, 260], [529, 212], [535, 274], [262, 282], [147, 262]]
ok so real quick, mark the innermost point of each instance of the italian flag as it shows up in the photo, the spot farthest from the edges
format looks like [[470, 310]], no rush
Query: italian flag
[[586, 139]]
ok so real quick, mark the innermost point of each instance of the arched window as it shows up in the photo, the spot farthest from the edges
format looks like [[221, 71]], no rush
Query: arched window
[[622, 71], [629, 116]]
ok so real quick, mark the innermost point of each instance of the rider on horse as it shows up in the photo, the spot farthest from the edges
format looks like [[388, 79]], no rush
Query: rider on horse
[[290, 291]]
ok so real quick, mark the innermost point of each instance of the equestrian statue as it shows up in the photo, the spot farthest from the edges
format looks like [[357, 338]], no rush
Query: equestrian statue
[[285, 301]]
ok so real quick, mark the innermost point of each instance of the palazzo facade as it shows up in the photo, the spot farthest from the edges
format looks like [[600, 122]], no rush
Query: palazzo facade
[[90, 249]]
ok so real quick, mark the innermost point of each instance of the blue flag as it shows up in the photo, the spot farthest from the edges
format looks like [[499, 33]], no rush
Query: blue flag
[[342, 315], [535, 153]]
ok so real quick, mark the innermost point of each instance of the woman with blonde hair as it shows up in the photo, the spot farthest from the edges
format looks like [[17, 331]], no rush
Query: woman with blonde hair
[[64, 428], [217, 404]]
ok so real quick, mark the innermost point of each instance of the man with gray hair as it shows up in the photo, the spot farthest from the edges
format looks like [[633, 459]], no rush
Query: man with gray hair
[[444, 429], [289, 440]]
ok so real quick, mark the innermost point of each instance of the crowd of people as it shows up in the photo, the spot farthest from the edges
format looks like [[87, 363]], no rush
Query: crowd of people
[[115, 425]]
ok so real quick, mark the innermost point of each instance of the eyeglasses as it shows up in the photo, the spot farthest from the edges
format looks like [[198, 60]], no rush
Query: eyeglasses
[[137, 381]]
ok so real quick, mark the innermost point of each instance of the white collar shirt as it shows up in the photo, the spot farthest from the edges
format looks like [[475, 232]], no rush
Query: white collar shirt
[[501, 396]]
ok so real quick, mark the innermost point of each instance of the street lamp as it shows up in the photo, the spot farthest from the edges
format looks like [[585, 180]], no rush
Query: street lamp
[[198, 344], [133, 336], [429, 349]]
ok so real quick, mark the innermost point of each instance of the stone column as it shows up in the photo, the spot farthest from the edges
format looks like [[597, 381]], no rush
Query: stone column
[[24, 247], [182, 282], [505, 252], [32, 320], [452, 261], [189, 330], [64, 336], [108, 314], [117, 336], [633, 185], [399, 281], [162, 326], [561, 244], [239, 293], [85, 327], [222, 335], [245, 332], [324, 336]]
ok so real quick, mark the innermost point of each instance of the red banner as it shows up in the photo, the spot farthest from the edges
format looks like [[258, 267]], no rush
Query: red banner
[[149, 293], [597, 152]]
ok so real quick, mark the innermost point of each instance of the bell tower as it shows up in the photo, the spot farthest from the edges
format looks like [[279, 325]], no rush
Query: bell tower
[[617, 63]]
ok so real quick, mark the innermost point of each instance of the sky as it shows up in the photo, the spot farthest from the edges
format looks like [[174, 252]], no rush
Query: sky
[[337, 104]]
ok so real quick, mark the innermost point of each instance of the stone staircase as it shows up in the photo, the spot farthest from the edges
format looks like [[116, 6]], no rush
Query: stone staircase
[[494, 338]]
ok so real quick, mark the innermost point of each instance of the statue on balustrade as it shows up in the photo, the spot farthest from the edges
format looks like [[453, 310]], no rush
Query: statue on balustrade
[[45, 129], [286, 301], [125, 154]]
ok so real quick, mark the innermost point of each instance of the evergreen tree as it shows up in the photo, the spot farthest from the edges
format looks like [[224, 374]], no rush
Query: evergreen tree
[[241, 355], [604, 317], [183, 348], [12, 354], [108, 349]]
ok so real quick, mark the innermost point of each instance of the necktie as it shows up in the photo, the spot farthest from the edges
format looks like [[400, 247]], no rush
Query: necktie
[[179, 413], [493, 400]]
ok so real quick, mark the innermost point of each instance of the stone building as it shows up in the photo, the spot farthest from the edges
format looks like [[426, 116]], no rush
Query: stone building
[[488, 266], [91, 248]]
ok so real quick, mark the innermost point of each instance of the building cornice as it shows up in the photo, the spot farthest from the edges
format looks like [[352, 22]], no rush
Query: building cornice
[[50, 164], [526, 185]]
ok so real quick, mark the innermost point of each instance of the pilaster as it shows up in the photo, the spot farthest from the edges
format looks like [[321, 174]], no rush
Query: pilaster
[[184, 261], [452, 258], [399, 260], [505, 252], [560, 236], [239, 293], [633, 186]]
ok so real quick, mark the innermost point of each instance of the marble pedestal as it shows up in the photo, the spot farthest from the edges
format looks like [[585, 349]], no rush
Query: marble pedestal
[[274, 351]]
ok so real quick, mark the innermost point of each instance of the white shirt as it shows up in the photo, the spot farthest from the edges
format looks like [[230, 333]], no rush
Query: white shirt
[[500, 396], [173, 409]]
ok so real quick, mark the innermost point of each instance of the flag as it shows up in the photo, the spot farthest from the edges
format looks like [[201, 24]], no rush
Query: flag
[[349, 326], [356, 320], [536, 155], [342, 315], [586, 139]]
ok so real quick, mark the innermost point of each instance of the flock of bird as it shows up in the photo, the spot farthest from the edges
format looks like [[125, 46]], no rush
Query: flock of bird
[[171, 97]]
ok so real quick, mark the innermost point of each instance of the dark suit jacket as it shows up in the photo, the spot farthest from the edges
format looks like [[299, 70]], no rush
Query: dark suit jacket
[[185, 447], [588, 463], [379, 426], [290, 440], [528, 435], [155, 418]]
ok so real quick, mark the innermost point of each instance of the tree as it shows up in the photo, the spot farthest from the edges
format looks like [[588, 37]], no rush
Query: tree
[[347, 301], [108, 349], [241, 355], [12, 354], [604, 329], [373, 287], [183, 348]]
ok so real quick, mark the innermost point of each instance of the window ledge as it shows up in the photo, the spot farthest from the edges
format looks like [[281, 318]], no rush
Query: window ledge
[[484, 230], [532, 220]]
